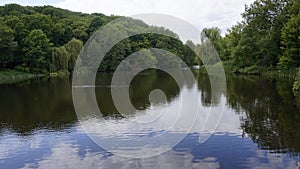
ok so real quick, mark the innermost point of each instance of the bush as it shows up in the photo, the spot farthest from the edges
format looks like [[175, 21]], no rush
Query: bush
[[296, 86], [252, 70]]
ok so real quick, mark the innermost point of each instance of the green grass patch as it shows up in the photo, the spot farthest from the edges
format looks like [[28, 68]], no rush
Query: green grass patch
[[296, 86], [13, 76], [60, 74]]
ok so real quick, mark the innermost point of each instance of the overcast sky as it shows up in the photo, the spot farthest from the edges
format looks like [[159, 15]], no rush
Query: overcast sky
[[200, 13]]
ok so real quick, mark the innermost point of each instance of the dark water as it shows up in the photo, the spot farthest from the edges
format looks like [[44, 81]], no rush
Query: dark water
[[260, 127]]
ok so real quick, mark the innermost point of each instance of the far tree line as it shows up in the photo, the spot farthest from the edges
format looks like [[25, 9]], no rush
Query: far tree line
[[48, 39], [43, 39]]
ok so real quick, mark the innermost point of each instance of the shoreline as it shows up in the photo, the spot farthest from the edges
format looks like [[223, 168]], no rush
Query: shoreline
[[8, 76]]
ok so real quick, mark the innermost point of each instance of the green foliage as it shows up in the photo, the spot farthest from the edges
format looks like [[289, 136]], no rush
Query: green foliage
[[210, 46], [230, 42], [95, 24], [268, 38], [60, 59], [80, 28], [246, 54], [143, 41], [291, 41], [73, 47], [12, 76], [296, 86], [37, 52], [43, 39], [263, 24], [18, 46], [252, 70], [214, 35], [7, 45], [64, 58]]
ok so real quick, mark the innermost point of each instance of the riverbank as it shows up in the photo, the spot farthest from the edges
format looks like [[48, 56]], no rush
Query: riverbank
[[13, 76], [293, 74], [261, 71]]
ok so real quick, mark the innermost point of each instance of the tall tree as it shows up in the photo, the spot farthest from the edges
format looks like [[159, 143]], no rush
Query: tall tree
[[60, 59], [73, 47], [7, 45], [37, 52], [210, 45], [231, 41], [291, 42], [264, 22]]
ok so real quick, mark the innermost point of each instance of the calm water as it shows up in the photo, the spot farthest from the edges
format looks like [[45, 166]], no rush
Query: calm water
[[260, 127]]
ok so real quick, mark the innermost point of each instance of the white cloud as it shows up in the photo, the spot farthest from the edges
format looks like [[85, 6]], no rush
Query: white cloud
[[201, 13], [30, 3], [65, 155]]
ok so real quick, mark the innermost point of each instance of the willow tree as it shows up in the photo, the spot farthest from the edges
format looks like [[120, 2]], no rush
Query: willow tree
[[60, 59], [73, 47]]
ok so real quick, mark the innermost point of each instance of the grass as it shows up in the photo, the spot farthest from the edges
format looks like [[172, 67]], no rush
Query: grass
[[8, 76], [296, 86], [60, 74], [13, 76], [271, 73]]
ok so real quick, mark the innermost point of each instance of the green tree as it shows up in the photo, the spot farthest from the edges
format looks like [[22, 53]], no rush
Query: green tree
[[95, 24], [230, 42], [73, 47], [214, 35], [61, 26], [246, 54], [291, 41], [60, 59], [264, 20], [37, 52], [43, 22], [79, 28], [7, 45], [210, 45]]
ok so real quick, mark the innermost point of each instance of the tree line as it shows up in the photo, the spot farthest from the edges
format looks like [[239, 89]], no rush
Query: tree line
[[268, 39], [46, 39]]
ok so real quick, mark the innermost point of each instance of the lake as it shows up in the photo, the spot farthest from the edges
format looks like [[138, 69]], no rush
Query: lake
[[259, 128]]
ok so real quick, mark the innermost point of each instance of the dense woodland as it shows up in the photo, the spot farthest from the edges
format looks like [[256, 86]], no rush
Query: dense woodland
[[268, 39], [46, 39]]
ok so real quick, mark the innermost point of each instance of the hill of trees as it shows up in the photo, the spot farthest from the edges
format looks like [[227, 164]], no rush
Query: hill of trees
[[46, 39]]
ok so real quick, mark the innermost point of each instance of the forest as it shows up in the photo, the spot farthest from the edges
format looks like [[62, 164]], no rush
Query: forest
[[267, 40], [43, 40], [47, 40]]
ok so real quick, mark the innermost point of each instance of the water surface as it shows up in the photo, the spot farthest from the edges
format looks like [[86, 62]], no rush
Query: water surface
[[259, 129]]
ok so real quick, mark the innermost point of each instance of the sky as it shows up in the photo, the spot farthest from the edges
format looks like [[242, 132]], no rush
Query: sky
[[200, 13]]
